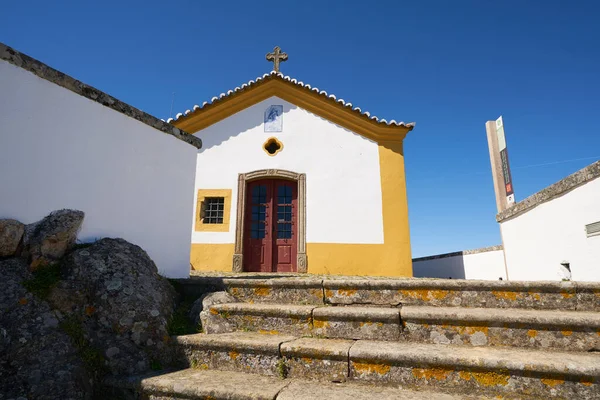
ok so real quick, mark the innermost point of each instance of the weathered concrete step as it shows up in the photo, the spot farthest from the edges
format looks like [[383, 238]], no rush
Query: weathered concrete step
[[298, 389], [237, 351], [478, 370], [193, 384], [216, 385], [465, 293], [568, 330], [332, 322], [274, 355], [265, 318], [582, 296]]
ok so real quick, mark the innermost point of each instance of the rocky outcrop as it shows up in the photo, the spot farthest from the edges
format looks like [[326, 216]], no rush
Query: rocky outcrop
[[198, 312], [68, 317], [11, 232], [38, 360], [48, 240], [114, 289]]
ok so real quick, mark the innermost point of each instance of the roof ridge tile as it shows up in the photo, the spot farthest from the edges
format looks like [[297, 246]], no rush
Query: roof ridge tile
[[279, 75]]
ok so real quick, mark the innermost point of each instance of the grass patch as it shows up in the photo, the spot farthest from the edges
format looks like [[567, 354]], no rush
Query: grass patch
[[43, 280], [282, 368], [92, 358], [180, 323]]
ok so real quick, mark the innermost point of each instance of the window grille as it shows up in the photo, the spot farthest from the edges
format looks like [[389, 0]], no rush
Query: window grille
[[213, 210]]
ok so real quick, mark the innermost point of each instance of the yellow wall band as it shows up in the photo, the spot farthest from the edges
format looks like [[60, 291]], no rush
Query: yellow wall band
[[393, 258], [211, 257]]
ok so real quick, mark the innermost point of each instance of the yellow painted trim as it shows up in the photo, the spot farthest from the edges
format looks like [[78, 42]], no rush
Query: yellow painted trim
[[276, 141], [204, 193], [301, 97], [211, 257], [393, 257]]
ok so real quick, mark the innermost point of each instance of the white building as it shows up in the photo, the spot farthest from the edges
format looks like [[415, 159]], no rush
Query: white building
[[64, 144], [556, 228], [551, 235]]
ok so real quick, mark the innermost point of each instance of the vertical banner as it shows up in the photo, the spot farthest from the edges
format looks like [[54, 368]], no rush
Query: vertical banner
[[508, 184]]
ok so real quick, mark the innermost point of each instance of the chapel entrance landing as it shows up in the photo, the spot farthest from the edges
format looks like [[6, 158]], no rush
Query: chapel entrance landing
[[271, 226]]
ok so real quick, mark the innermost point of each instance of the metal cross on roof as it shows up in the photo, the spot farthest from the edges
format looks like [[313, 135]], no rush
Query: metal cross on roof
[[276, 56]]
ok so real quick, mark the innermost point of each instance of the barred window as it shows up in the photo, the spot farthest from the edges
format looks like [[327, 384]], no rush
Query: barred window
[[213, 210]]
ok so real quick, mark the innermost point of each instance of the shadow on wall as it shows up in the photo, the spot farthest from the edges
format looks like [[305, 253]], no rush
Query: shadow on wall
[[486, 264], [450, 265], [232, 126]]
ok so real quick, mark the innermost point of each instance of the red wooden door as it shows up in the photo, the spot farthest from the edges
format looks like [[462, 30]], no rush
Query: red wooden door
[[285, 235], [270, 237], [258, 242]]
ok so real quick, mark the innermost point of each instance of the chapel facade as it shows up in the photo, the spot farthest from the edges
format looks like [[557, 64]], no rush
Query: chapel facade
[[292, 179]]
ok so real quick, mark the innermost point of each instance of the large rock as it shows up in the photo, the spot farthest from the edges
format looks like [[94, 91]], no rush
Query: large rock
[[114, 288], [200, 308], [37, 359], [48, 240], [11, 232]]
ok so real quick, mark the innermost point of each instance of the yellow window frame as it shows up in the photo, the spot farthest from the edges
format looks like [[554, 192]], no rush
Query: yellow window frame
[[200, 226]]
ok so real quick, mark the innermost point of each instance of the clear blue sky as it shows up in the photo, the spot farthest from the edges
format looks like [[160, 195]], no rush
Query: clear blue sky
[[448, 65]]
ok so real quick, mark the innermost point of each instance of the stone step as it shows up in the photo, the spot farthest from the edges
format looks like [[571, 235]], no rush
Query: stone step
[[324, 321], [314, 290], [195, 384], [476, 370], [568, 330], [237, 351], [265, 318]]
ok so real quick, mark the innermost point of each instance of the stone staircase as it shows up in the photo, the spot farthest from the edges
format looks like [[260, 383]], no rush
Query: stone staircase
[[309, 338]]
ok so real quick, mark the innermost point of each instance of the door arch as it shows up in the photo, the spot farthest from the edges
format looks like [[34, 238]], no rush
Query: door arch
[[243, 182]]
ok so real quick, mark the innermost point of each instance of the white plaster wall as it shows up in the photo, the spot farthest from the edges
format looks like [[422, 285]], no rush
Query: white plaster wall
[[343, 184], [61, 150], [537, 241], [487, 265]]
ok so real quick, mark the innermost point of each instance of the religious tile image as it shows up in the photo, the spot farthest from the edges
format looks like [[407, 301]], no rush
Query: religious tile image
[[274, 118]]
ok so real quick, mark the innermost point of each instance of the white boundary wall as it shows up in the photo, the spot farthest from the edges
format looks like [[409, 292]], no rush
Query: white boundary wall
[[539, 239], [343, 183], [61, 150], [487, 265]]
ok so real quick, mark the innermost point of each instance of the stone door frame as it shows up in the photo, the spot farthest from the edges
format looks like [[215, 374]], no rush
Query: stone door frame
[[243, 179]]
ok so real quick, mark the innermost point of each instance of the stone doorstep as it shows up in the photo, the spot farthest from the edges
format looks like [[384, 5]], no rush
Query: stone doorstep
[[222, 385], [451, 293], [388, 291], [290, 290], [282, 282]]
